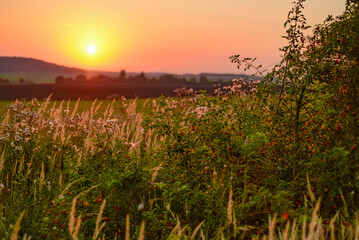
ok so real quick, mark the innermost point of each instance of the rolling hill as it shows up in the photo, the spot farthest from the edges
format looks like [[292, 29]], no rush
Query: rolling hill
[[21, 64], [39, 71]]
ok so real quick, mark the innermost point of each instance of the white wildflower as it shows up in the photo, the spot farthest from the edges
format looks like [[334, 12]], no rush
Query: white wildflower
[[141, 206]]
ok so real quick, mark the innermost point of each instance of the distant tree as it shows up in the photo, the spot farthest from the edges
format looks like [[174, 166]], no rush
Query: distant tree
[[4, 80], [62, 79], [81, 78], [142, 76], [123, 75], [192, 80], [167, 78], [99, 78], [139, 78], [203, 79], [59, 79]]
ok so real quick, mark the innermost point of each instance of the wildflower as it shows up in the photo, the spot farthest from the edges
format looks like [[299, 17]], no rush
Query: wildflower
[[140, 207], [285, 215], [18, 148]]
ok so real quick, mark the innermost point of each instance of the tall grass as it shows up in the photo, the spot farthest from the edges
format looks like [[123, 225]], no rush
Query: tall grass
[[190, 168]]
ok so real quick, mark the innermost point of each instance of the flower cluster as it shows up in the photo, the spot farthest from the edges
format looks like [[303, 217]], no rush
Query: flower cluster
[[239, 87], [185, 92]]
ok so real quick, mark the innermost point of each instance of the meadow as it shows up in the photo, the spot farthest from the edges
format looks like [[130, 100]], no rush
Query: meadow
[[270, 159], [84, 105]]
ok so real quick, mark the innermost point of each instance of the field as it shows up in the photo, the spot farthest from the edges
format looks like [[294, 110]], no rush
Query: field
[[270, 159], [93, 90], [186, 166], [85, 105]]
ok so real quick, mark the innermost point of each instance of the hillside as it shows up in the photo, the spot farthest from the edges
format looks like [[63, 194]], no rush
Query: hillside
[[38, 71], [30, 65]]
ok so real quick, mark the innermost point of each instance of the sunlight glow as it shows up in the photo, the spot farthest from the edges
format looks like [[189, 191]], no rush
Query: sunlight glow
[[91, 49], [93, 45]]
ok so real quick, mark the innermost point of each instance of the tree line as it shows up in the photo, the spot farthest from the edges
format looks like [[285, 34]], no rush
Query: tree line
[[123, 77]]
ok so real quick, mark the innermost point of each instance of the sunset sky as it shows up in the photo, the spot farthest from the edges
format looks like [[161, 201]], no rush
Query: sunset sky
[[186, 36]]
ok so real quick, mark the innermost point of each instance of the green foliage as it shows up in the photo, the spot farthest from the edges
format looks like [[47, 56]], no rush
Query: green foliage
[[315, 90], [221, 164]]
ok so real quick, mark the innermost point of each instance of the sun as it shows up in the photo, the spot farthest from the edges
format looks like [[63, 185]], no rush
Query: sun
[[91, 49]]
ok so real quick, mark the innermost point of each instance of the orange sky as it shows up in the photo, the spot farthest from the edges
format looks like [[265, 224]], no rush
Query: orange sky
[[187, 36]]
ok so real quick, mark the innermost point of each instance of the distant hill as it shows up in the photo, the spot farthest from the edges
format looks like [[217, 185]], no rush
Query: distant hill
[[38, 71], [33, 70], [21, 64]]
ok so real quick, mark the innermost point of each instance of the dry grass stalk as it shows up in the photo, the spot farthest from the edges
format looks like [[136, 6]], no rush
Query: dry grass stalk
[[79, 159], [98, 221], [106, 111], [42, 175], [7, 179], [60, 181], [28, 168], [68, 107], [68, 186], [52, 110], [75, 108], [294, 231], [56, 133], [88, 144], [14, 169], [309, 189], [141, 236], [77, 228], [286, 231], [97, 108], [21, 164], [62, 134], [178, 229], [314, 225], [6, 118], [111, 110], [127, 232], [331, 225], [154, 175], [196, 230], [92, 108], [81, 193], [17, 227], [2, 161], [72, 216], [271, 232], [356, 231], [304, 227], [202, 234], [44, 105], [230, 206], [58, 111]]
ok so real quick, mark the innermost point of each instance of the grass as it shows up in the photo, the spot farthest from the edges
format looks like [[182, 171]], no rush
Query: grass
[[173, 168], [86, 105], [249, 163]]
